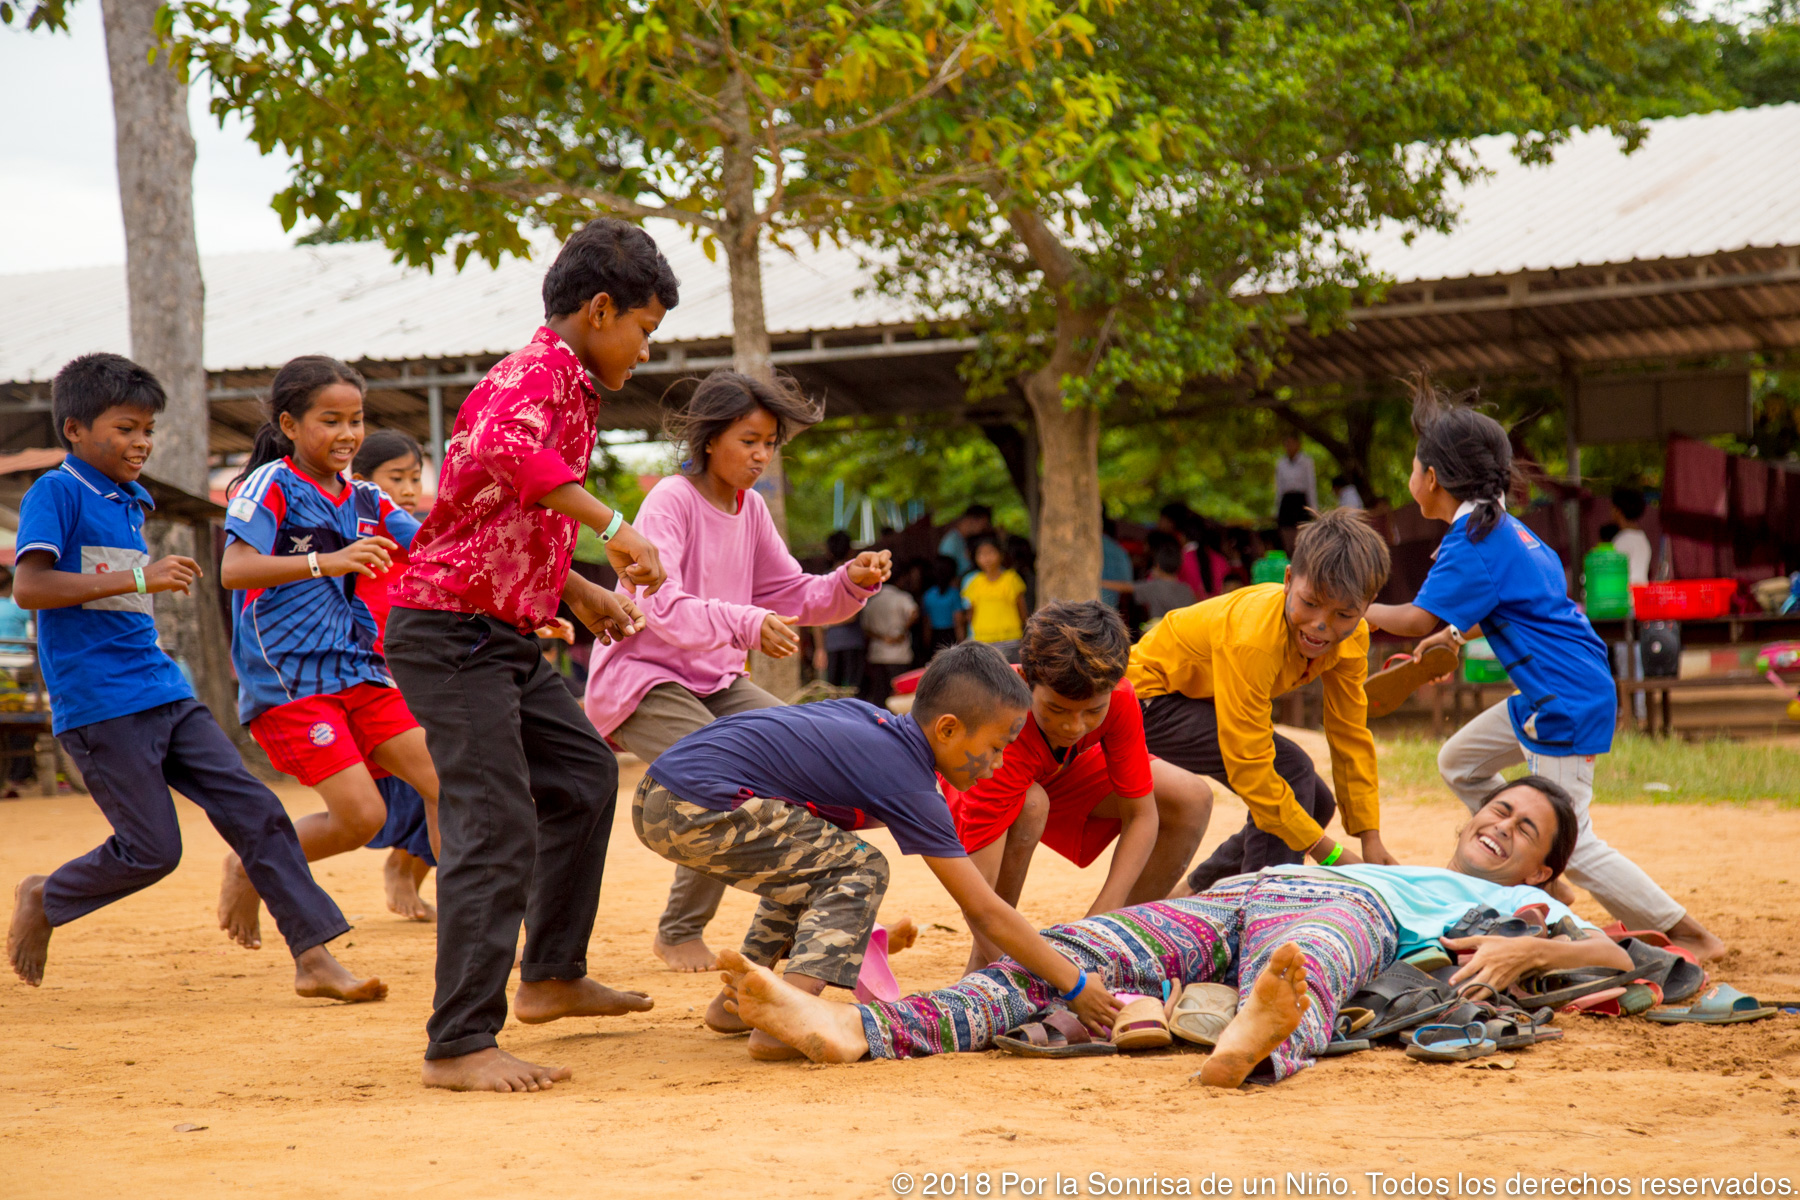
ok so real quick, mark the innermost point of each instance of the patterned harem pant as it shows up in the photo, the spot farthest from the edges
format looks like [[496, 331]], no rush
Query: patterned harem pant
[[1225, 935]]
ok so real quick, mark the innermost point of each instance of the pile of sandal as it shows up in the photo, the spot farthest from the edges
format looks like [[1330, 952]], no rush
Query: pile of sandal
[[1198, 1015]]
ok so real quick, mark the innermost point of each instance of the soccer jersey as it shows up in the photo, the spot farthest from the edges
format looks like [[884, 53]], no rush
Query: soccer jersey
[[313, 636]]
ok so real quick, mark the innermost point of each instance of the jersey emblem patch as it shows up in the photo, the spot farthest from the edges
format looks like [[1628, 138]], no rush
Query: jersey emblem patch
[[322, 734]]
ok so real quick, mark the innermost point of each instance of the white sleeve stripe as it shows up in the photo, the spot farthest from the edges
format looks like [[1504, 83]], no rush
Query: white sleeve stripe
[[257, 486], [52, 547]]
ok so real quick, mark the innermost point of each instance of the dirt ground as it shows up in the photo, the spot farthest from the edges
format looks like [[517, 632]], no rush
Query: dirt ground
[[149, 1021]]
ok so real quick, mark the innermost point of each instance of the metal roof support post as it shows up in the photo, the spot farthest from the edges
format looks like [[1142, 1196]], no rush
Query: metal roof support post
[[435, 410]]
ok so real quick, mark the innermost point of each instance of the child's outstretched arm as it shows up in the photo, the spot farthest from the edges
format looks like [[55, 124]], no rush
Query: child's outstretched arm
[[243, 566], [1407, 620], [629, 552], [39, 585], [1002, 925], [1137, 838]]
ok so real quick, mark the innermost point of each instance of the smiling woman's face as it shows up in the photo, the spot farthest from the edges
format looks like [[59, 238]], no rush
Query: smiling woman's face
[[1508, 840]]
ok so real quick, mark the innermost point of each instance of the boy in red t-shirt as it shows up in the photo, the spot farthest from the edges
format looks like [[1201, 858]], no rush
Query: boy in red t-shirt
[[1079, 774]]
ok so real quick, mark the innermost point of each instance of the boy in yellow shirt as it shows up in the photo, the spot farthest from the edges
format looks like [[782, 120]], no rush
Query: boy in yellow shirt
[[1209, 673]]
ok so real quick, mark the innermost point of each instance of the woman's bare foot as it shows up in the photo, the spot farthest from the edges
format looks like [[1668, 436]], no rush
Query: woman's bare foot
[[824, 1031], [692, 957], [402, 881], [240, 908], [1277, 1001], [1692, 935], [552, 999], [317, 975], [721, 1015], [28, 938], [491, 1070]]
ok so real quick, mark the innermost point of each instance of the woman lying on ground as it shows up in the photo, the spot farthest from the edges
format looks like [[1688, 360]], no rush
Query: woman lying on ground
[[1296, 940]]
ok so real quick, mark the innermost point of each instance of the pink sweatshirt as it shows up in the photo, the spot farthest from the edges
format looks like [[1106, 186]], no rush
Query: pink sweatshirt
[[726, 573]]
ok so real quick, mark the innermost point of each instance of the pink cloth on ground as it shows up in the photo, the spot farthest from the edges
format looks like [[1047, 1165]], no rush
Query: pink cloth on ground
[[727, 571]]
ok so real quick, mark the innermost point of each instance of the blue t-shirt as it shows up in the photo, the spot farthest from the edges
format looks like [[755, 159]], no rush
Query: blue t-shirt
[[311, 637], [15, 622], [100, 659], [1114, 564], [847, 762], [942, 605], [1426, 901], [1512, 585]]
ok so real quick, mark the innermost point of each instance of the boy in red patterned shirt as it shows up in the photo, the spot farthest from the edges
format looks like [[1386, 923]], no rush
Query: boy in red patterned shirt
[[527, 786]]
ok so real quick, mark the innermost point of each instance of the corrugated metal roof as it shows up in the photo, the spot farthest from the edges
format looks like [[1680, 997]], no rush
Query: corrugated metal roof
[[1700, 185]]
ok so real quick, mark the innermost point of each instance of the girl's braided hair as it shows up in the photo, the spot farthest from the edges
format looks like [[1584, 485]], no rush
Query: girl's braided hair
[[1468, 450]]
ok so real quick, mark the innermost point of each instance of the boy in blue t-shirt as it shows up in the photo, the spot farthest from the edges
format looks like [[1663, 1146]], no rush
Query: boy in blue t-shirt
[[769, 801], [1494, 578], [121, 706]]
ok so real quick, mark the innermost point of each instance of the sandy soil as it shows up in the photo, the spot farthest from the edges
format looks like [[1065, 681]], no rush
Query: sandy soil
[[150, 1021]]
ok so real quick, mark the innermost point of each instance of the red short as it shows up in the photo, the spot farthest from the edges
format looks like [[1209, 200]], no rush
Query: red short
[[316, 737], [1071, 831]]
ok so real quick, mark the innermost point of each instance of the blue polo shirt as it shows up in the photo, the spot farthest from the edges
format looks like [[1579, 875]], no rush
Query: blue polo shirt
[[845, 761], [1511, 584], [100, 659]]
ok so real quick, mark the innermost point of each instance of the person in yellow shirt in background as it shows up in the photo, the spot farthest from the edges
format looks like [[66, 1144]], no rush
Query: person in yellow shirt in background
[[1209, 673], [996, 596]]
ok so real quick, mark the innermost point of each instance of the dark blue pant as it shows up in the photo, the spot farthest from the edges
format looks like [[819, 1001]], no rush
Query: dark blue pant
[[405, 826], [129, 764]]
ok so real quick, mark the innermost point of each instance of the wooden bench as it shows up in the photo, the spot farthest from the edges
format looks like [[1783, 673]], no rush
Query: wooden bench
[[1664, 686]]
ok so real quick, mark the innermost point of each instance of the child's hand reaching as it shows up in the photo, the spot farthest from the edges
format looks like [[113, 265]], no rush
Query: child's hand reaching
[[870, 569], [366, 556], [1374, 851], [612, 616], [175, 573], [780, 635], [1095, 1006], [636, 560]]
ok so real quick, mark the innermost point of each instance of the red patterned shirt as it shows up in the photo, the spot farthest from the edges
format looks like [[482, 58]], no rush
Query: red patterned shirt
[[488, 546]]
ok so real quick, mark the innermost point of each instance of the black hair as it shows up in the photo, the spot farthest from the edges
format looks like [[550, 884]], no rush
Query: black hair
[[1568, 825], [292, 392], [1167, 555], [1630, 503], [838, 545], [612, 256], [971, 682], [977, 510], [89, 385], [1468, 450], [1608, 532], [385, 445], [1077, 649], [943, 571], [987, 539], [726, 397]]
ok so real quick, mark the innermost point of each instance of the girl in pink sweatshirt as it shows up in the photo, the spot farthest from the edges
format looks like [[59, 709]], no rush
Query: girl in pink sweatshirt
[[732, 587]]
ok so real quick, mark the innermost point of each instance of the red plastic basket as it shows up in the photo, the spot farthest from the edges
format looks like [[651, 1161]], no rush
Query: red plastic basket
[[1682, 599]]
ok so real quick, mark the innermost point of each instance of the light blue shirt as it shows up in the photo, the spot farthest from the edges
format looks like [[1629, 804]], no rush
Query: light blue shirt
[[1425, 901], [1114, 564]]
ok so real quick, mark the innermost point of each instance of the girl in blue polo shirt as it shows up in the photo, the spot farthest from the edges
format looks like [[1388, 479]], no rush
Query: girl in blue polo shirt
[[1492, 577]]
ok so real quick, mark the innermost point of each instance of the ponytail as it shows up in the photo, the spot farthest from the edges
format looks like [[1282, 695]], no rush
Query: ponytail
[[1469, 452], [292, 393]]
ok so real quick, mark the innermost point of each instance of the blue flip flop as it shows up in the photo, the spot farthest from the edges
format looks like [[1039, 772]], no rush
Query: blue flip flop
[[1721, 1004], [1451, 1043]]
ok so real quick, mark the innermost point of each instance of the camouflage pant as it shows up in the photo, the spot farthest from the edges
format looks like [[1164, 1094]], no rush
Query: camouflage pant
[[820, 885]]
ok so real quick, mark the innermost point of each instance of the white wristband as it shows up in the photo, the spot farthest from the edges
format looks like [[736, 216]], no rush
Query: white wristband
[[312, 563]]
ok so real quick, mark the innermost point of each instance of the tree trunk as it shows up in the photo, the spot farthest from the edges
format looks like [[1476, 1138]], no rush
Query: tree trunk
[[1068, 548], [155, 147]]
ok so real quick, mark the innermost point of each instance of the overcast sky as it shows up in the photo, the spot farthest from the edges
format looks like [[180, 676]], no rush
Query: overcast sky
[[59, 198]]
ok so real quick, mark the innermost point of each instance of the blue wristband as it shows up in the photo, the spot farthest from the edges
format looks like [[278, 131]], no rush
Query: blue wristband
[[1079, 984]]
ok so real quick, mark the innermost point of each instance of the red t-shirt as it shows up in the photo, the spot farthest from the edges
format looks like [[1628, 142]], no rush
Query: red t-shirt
[[991, 806]]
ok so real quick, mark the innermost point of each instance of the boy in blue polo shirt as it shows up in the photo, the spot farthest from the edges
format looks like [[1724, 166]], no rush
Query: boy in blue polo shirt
[[770, 801], [1493, 577], [121, 707]]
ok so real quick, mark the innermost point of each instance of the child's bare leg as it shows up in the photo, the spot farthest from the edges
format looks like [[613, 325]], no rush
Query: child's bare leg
[[354, 813], [823, 1031], [552, 999], [1183, 810], [1005, 862], [401, 874], [318, 974], [28, 937], [1277, 1001], [491, 1070]]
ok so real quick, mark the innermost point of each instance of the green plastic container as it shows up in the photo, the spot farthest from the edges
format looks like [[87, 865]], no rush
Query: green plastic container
[[1480, 664], [1606, 584], [1270, 568]]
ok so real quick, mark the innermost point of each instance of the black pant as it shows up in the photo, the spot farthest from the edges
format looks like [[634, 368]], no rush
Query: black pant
[[1185, 731], [129, 764], [525, 808]]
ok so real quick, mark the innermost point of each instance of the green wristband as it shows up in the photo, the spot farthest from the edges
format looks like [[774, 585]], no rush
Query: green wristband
[[612, 527], [137, 573], [1329, 860]]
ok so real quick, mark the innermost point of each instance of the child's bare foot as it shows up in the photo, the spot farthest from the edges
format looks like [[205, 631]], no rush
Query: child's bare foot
[[901, 935], [317, 975], [1277, 1001], [824, 1031], [28, 938], [403, 887], [721, 1015], [491, 1070], [1692, 935], [552, 999], [240, 908], [691, 956]]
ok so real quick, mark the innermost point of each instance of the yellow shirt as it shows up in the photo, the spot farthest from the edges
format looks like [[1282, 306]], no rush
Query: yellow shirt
[[994, 606], [1238, 651]]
